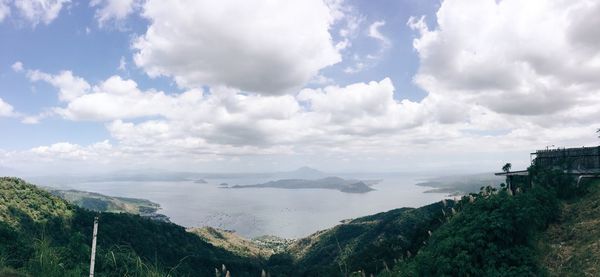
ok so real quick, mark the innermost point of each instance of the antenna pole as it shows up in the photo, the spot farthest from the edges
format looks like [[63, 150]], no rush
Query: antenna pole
[[93, 258]]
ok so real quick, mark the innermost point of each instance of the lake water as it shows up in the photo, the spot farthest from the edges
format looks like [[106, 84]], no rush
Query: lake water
[[253, 212]]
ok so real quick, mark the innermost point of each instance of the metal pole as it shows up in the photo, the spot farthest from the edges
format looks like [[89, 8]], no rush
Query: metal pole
[[93, 258]]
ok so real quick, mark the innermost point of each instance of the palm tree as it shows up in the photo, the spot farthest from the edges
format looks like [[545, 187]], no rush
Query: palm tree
[[506, 169]]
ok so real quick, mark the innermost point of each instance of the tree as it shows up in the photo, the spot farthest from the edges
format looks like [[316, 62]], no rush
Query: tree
[[506, 168]]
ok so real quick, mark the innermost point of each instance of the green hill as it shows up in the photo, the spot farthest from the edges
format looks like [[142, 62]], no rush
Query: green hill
[[497, 232], [103, 203], [571, 246], [369, 243], [547, 228], [232, 242], [43, 235]]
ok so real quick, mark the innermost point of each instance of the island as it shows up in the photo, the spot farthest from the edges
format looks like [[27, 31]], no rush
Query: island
[[335, 183]]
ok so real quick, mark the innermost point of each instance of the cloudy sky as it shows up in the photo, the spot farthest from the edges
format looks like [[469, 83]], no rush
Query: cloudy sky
[[340, 85]]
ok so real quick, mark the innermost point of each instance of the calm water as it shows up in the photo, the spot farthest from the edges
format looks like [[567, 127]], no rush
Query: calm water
[[266, 211]]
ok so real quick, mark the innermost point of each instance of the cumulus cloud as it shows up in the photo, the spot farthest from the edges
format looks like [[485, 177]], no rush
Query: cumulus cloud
[[116, 10], [267, 47], [116, 98], [6, 109], [17, 66], [361, 109], [498, 75], [512, 57], [70, 86], [70, 151], [40, 11], [227, 117]]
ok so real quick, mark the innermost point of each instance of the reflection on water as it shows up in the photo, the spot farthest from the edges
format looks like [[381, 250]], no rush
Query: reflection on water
[[266, 211]]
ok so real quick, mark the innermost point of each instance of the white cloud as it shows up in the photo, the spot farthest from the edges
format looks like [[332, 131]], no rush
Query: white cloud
[[116, 10], [230, 119], [267, 47], [122, 64], [376, 34], [4, 9], [17, 66], [30, 120], [360, 109], [322, 80], [40, 11], [512, 57], [6, 109], [361, 62], [70, 86], [116, 98], [36, 119], [349, 22], [358, 66], [65, 151], [501, 77]]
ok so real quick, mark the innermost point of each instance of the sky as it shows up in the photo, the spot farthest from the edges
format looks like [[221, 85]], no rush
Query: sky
[[258, 85]]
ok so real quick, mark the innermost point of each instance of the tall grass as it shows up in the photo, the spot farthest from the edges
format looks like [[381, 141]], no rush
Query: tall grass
[[48, 261]]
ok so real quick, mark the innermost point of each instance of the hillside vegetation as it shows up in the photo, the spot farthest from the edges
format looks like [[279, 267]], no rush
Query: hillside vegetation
[[496, 232], [545, 228], [231, 241], [572, 245], [43, 235], [103, 203], [368, 244]]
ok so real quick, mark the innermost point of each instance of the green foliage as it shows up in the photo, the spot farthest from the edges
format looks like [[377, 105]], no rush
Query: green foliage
[[367, 244], [50, 261], [42, 235], [104, 203], [490, 237], [491, 233], [571, 247], [555, 179], [494, 232]]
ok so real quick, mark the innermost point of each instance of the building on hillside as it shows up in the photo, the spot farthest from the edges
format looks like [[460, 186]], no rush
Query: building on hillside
[[576, 160], [581, 162]]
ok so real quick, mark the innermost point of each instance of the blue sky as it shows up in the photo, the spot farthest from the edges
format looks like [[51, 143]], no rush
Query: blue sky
[[337, 84], [74, 41]]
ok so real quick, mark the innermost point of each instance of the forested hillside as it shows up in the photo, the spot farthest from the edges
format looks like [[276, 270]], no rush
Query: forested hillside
[[43, 235], [496, 232], [369, 244]]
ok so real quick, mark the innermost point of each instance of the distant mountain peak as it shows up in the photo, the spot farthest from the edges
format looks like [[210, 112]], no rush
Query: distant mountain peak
[[308, 169], [304, 172]]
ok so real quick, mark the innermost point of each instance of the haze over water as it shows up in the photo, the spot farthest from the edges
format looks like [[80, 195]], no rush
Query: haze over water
[[252, 212]]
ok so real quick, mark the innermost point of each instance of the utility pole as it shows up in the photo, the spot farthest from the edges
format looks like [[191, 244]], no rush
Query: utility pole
[[93, 258]]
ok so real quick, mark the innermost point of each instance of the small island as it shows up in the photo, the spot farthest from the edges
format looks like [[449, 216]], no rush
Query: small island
[[335, 183]]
